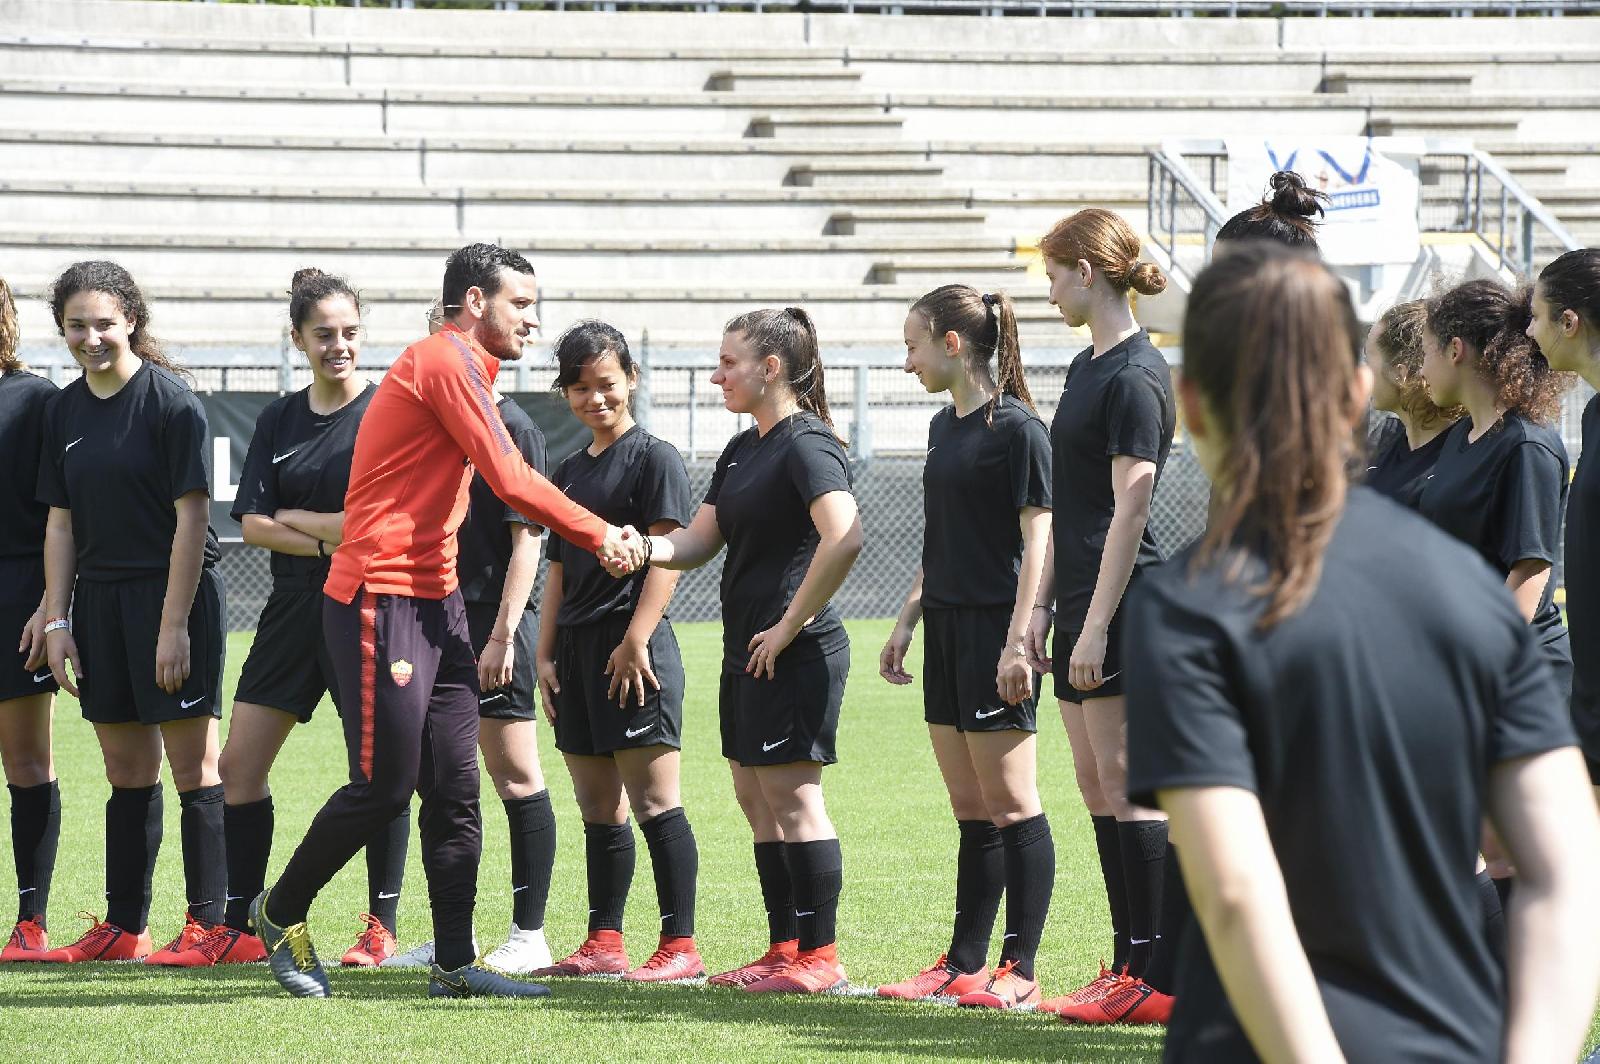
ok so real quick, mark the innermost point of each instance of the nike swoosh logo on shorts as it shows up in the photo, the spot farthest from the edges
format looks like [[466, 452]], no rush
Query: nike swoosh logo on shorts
[[981, 715], [71, 445], [486, 699], [43, 676], [631, 734], [1112, 676], [767, 748], [194, 702], [280, 457]]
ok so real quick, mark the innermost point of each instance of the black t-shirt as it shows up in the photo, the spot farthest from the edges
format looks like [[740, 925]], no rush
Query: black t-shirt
[[1396, 470], [23, 397], [484, 541], [976, 478], [1366, 723], [1581, 565], [1118, 404], [637, 481], [299, 460], [119, 464], [763, 489], [1503, 496]]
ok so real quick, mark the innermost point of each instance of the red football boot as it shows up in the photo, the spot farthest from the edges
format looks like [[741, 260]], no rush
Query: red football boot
[[222, 945], [167, 956], [1006, 989], [1131, 1001], [778, 957], [600, 954], [373, 946], [937, 981], [28, 941], [814, 971], [1091, 991], [675, 960], [102, 942]]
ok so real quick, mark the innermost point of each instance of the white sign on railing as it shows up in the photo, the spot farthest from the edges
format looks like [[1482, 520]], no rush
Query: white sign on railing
[[1371, 212]]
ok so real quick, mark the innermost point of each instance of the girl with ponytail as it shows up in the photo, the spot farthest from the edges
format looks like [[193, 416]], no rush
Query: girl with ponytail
[[1288, 214], [1408, 444], [986, 490], [1110, 438], [27, 687], [780, 499], [1325, 673], [1565, 323]]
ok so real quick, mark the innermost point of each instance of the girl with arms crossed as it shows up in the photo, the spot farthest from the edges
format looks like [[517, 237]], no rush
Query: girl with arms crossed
[[987, 496]]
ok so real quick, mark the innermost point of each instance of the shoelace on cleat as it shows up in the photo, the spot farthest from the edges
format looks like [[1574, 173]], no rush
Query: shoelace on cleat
[[661, 958], [99, 936], [371, 939], [193, 931], [215, 943], [1128, 995], [298, 939], [1096, 989]]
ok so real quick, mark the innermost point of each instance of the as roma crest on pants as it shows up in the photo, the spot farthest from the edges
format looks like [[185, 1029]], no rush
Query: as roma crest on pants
[[400, 672]]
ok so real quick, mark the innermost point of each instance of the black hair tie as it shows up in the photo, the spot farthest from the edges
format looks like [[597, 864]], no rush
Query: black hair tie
[[991, 300]]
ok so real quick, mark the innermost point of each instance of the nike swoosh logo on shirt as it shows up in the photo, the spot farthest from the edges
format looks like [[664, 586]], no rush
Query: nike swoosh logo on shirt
[[280, 457], [992, 713], [71, 445], [767, 748], [631, 734], [732, 464], [194, 702]]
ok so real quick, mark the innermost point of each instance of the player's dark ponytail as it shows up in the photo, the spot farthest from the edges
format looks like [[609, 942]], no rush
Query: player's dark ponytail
[[1286, 214], [10, 334], [1271, 340], [99, 275], [790, 335], [987, 322], [309, 287], [1492, 321]]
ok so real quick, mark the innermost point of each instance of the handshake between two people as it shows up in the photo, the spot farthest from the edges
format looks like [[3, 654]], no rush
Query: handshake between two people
[[625, 550]]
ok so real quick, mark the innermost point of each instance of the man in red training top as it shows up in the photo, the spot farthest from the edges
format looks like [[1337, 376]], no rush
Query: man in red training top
[[396, 630]]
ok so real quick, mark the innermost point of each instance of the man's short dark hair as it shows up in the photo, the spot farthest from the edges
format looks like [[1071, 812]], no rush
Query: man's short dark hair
[[478, 266]]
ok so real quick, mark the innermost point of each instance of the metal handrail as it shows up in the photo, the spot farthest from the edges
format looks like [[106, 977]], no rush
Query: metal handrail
[[1068, 8], [1493, 204]]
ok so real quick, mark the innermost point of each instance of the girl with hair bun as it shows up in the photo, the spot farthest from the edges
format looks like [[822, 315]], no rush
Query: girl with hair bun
[[1325, 673], [1110, 438], [1565, 323], [291, 503], [27, 687], [1408, 445], [1288, 214], [133, 602], [780, 499], [609, 668], [986, 486]]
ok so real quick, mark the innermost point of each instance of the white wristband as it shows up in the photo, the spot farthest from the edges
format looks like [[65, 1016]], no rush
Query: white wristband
[[57, 625]]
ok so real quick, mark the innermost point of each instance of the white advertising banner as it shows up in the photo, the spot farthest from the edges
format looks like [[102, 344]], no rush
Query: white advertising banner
[[1372, 197]]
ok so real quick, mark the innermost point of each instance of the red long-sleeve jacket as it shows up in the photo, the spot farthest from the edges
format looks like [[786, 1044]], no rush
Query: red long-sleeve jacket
[[432, 420]]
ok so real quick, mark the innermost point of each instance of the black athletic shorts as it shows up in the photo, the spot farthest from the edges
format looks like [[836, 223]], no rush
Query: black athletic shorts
[[1110, 669], [1586, 721], [960, 652], [21, 586], [116, 624], [588, 720], [288, 667], [792, 718], [515, 701]]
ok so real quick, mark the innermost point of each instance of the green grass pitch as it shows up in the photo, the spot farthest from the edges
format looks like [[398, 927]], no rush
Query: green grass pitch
[[899, 843]]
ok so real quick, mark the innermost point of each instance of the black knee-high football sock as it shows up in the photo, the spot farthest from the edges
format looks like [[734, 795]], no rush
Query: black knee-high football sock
[[816, 870], [675, 859], [386, 868], [980, 880], [1108, 845], [777, 891], [247, 834], [205, 860], [1144, 844], [1030, 880], [35, 834], [1162, 972], [610, 852], [1494, 916], [133, 840], [533, 857]]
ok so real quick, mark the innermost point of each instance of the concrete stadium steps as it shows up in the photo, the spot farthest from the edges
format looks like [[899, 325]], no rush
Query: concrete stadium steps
[[432, 160], [986, 272], [836, 173], [1387, 80], [223, 314], [300, 210], [614, 259], [782, 77], [1579, 157]]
